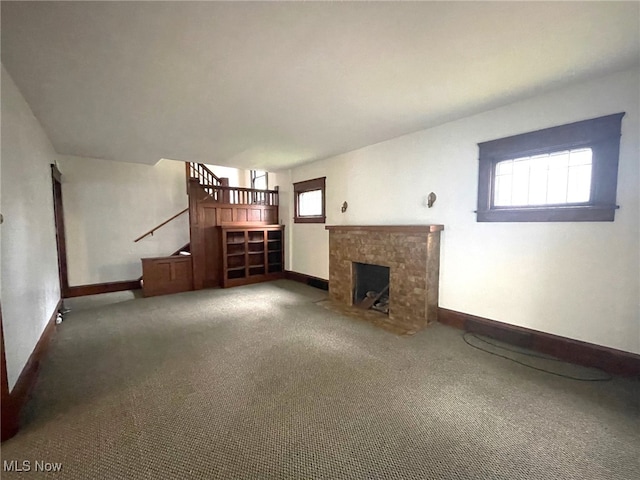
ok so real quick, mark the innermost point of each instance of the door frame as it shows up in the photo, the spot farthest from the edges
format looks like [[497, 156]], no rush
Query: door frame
[[61, 242]]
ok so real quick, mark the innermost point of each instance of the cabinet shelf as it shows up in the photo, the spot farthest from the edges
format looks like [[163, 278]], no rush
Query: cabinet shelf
[[233, 269], [242, 246]]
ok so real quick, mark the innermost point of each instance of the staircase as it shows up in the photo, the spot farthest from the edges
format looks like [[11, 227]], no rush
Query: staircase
[[206, 178], [184, 250], [212, 204], [173, 273]]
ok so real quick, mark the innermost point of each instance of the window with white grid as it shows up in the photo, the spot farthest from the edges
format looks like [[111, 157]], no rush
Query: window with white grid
[[567, 173], [550, 179]]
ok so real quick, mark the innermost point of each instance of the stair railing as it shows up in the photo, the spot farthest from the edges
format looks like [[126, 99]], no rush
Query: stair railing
[[220, 191], [150, 232], [205, 176], [244, 196]]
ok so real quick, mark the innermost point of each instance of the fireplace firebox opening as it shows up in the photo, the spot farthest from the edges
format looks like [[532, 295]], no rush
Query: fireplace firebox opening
[[371, 287]]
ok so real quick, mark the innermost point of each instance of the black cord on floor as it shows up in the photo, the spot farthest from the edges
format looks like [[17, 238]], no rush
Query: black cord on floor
[[528, 354], [467, 334]]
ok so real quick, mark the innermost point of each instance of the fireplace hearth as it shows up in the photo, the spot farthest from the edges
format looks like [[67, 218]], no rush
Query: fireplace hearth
[[399, 269]]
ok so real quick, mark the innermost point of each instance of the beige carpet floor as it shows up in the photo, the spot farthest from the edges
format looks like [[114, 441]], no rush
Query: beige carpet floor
[[262, 382]]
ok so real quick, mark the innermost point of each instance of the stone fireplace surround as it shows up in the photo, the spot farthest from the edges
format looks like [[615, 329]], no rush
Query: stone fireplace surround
[[412, 253]]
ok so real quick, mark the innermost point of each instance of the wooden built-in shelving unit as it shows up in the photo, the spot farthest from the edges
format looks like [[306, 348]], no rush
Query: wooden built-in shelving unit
[[252, 254], [234, 238]]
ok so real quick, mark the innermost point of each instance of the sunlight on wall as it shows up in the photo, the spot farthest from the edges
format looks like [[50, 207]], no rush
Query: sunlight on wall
[[578, 280]]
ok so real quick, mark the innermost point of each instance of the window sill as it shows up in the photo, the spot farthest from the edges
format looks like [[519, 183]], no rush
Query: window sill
[[319, 219], [582, 213]]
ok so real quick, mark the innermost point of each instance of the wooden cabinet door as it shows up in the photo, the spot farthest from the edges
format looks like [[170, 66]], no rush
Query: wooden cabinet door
[[166, 275]]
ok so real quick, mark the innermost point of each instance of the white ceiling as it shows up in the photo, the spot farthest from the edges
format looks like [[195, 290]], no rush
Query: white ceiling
[[270, 85]]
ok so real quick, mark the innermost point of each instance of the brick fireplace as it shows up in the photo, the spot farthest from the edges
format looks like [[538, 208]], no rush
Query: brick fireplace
[[412, 254]]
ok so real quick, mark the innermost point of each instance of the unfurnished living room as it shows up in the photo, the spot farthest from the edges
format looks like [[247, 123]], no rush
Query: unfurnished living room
[[318, 240]]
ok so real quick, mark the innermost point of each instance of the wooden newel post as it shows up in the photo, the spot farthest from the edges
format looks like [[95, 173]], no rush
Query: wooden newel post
[[224, 182], [187, 166]]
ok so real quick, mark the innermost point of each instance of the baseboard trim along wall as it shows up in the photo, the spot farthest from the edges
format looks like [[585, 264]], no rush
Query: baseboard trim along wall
[[27, 379], [97, 288], [320, 283], [616, 362]]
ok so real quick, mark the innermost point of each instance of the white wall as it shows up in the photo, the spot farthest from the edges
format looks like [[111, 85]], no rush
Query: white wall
[[578, 280], [108, 204], [30, 287], [237, 177]]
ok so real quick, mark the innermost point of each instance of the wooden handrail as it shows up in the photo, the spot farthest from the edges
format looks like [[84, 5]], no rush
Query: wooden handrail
[[150, 232]]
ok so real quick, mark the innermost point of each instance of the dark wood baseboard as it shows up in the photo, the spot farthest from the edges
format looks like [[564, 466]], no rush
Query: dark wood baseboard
[[253, 279], [9, 421], [616, 362], [27, 379], [320, 283], [97, 288]]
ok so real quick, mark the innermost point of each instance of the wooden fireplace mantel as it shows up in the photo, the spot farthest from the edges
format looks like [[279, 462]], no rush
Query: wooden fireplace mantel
[[388, 228]]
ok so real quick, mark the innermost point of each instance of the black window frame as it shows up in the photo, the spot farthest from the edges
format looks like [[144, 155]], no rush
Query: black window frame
[[309, 186], [601, 134], [254, 176]]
